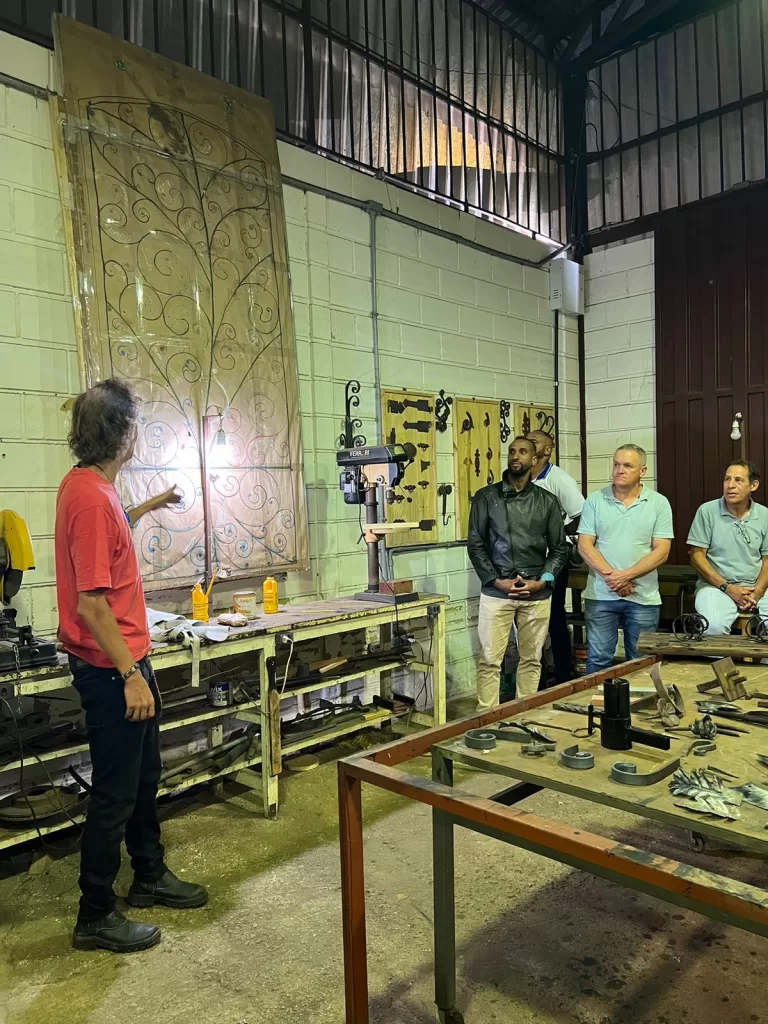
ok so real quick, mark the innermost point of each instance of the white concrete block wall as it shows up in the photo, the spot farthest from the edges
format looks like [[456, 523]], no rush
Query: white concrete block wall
[[449, 317], [619, 356], [38, 354]]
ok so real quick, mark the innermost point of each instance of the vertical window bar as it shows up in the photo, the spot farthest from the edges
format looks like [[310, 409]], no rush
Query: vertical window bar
[[420, 125], [765, 103], [401, 75], [386, 82], [561, 227], [212, 43], [156, 24], [719, 99], [449, 175], [515, 136], [126, 20], [433, 71], [677, 120], [350, 95], [261, 48], [658, 120], [286, 93], [238, 55], [368, 83], [548, 165], [639, 147], [478, 168], [489, 112], [621, 139], [602, 135], [502, 134], [465, 197], [309, 71], [527, 181], [698, 105], [741, 90], [185, 19], [537, 137], [331, 97]]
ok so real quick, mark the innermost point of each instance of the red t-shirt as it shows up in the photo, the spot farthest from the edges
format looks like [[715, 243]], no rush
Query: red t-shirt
[[94, 551]]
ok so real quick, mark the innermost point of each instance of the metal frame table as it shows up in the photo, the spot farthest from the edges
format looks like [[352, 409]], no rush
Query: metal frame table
[[714, 895]]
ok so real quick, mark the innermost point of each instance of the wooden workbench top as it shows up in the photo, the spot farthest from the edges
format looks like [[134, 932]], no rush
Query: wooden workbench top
[[736, 755]]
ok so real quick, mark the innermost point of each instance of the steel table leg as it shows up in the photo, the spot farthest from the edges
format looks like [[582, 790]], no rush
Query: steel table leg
[[444, 906]]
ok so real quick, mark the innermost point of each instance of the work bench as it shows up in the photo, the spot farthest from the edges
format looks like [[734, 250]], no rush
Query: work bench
[[301, 622], [714, 893]]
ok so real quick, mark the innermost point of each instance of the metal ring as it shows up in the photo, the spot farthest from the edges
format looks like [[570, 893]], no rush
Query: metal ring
[[572, 757], [757, 628], [479, 739], [690, 627]]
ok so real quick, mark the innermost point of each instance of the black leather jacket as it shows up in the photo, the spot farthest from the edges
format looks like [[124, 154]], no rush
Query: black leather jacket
[[515, 532]]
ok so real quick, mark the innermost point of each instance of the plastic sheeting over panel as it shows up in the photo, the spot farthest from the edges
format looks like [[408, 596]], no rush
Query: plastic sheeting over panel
[[179, 257]]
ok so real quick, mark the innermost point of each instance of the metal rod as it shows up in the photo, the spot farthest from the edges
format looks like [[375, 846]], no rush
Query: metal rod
[[403, 120], [489, 110], [658, 121], [621, 138], [582, 404], [719, 99], [434, 93], [386, 84], [698, 105], [212, 41], [602, 136], [353, 897], [556, 386], [527, 180], [368, 84], [639, 148], [419, 112], [309, 71], [373, 212], [741, 91], [448, 95], [331, 97], [465, 194], [350, 95], [502, 107], [677, 121]]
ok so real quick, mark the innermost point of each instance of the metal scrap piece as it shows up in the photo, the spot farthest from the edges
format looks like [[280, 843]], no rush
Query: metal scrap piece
[[536, 748], [754, 794], [627, 774], [572, 757], [708, 793]]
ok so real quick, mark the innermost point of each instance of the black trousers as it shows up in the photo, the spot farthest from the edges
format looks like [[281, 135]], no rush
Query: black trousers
[[123, 805], [559, 634]]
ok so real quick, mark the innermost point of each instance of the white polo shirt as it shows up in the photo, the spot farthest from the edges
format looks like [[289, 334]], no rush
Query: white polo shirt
[[565, 489]]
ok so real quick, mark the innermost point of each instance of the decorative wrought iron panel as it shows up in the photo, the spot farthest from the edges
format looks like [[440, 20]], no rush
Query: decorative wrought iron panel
[[178, 242]]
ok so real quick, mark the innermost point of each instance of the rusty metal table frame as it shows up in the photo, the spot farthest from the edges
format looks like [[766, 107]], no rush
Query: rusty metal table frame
[[713, 895]]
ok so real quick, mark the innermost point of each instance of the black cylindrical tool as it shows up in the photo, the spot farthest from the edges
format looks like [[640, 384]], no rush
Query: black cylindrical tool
[[616, 729]]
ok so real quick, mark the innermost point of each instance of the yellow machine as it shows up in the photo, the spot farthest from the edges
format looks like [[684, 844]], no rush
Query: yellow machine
[[16, 554]]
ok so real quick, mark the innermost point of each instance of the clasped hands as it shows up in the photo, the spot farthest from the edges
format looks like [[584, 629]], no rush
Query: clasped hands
[[513, 587], [745, 598], [619, 581]]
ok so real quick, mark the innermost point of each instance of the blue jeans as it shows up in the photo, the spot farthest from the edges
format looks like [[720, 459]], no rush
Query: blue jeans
[[603, 621]]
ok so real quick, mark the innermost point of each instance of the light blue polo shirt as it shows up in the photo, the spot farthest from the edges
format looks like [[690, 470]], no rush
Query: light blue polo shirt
[[623, 536], [734, 546]]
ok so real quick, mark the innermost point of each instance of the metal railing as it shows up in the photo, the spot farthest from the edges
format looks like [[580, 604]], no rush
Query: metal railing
[[436, 95]]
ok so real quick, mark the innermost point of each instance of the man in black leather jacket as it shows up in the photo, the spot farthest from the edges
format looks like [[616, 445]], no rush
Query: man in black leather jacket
[[517, 546]]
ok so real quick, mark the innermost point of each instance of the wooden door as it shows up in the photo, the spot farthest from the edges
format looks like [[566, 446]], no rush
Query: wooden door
[[477, 453]]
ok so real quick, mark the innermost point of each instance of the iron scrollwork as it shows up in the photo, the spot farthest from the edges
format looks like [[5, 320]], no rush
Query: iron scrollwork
[[194, 317], [442, 411], [349, 438], [504, 429], [477, 462], [467, 423]]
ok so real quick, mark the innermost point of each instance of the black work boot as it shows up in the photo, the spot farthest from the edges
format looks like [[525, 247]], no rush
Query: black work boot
[[169, 891], [115, 933]]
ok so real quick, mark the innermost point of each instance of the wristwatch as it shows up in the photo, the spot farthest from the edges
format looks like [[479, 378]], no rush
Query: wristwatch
[[135, 667], [723, 587]]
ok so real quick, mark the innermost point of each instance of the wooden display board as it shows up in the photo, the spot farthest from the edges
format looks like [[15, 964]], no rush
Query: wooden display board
[[477, 453], [410, 416], [534, 417]]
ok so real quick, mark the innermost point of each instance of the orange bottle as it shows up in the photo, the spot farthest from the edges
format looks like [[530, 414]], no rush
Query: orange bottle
[[269, 595]]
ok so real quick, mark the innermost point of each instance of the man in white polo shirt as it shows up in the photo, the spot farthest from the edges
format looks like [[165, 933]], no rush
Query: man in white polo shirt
[[555, 480], [728, 548], [624, 536]]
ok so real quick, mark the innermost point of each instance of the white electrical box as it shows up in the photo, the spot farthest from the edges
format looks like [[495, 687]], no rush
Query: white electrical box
[[566, 286]]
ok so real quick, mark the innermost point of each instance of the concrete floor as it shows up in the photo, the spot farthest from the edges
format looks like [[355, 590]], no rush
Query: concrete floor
[[538, 942]]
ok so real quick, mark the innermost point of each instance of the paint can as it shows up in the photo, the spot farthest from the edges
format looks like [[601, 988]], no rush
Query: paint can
[[246, 602], [218, 695]]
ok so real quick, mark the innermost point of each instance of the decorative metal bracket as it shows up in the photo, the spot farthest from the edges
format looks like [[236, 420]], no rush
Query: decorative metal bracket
[[351, 439], [442, 411], [504, 428], [546, 422], [477, 462], [467, 423], [489, 456]]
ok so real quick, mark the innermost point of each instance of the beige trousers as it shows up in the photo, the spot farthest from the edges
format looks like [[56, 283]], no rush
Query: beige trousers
[[497, 616]]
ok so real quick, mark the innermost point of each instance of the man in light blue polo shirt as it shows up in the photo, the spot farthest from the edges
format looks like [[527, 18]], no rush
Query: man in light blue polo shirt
[[624, 536], [728, 548]]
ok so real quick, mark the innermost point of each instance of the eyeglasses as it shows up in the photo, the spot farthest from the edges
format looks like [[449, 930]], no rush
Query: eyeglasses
[[746, 536]]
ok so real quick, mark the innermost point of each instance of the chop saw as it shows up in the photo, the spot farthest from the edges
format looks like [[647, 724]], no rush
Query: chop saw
[[18, 647]]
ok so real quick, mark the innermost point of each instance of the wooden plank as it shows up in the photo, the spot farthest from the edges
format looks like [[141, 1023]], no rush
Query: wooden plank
[[476, 451], [413, 502], [353, 897], [737, 755], [725, 646]]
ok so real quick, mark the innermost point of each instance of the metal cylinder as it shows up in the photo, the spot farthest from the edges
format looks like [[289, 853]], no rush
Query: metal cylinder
[[372, 517], [615, 721]]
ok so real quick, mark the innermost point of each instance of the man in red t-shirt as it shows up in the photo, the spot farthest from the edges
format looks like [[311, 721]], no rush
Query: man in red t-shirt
[[103, 628]]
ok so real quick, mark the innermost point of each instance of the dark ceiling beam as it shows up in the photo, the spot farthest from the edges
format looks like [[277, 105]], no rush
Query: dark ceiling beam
[[582, 27], [621, 34]]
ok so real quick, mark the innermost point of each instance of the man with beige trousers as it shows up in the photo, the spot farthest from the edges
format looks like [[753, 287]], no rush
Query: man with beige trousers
[[516, 543]]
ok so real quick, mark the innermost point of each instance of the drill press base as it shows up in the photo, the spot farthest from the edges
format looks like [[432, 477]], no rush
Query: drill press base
[[388, 599]]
